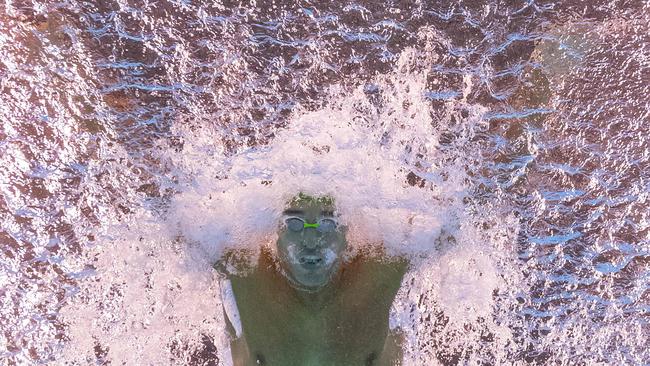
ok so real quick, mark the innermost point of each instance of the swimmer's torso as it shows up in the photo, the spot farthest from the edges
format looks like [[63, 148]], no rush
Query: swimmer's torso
[[346, 324]]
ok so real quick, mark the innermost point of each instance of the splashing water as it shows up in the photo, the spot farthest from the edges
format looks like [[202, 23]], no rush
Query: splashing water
[[501, 147]]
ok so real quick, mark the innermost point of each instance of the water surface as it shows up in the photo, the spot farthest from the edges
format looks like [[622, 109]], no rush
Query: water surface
[[501, 146]]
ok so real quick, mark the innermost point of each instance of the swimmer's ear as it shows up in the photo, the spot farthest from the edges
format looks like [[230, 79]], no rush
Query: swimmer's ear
[[343, 229]]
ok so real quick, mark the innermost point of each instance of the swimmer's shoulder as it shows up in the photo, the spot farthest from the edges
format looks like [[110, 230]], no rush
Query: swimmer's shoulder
[[378, 261], [375, 269], [389, 271]]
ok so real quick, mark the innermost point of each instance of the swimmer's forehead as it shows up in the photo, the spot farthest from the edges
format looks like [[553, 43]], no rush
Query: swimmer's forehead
[[323, 211]]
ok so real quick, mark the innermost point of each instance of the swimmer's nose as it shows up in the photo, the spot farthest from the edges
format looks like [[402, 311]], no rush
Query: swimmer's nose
[[311, 238]]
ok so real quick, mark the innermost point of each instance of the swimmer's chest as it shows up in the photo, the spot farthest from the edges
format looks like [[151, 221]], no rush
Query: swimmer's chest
[[349, 328]]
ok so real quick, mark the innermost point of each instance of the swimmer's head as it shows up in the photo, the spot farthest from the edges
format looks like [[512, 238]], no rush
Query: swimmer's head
[[310, 241]]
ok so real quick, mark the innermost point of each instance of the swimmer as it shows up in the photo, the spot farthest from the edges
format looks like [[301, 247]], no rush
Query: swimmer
[[309, 306]]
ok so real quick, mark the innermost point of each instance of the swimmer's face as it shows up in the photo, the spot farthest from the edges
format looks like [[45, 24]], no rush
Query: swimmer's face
[[310, 255]]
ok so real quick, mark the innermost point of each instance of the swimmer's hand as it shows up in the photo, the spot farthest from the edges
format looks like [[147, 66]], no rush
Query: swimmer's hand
[[234, 262]]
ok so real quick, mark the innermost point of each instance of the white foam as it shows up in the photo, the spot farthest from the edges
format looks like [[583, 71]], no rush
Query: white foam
[[142, 300], [323, 152], [356, 152]]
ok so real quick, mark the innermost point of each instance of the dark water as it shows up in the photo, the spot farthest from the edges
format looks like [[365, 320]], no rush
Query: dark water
[[538, 109]]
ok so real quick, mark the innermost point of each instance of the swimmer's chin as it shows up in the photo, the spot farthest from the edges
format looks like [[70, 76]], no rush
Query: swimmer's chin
[[310, 277]]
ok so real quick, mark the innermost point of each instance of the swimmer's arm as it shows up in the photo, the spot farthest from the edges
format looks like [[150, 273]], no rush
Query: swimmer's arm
[[392, 353], [239, 352], [238, 345], [232, 263], [225, 269], [230, 308], [393, 274]]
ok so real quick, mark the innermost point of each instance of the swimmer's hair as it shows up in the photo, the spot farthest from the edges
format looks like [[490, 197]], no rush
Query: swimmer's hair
[[304, 199]]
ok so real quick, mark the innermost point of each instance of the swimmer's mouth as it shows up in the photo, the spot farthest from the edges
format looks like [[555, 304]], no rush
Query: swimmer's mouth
[[311, 260]]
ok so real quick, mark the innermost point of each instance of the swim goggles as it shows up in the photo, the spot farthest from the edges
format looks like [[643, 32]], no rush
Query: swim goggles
[[296, 224]]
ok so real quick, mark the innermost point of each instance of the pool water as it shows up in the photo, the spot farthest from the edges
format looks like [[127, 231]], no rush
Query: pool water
[[502, 147]]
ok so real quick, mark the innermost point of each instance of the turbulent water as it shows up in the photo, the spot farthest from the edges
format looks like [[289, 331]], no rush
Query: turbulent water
[[502, 147]]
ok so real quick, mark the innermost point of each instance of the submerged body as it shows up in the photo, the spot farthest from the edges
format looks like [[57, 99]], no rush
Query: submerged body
[[345, 323], [308, 307]]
